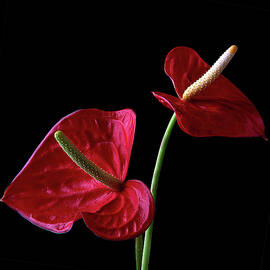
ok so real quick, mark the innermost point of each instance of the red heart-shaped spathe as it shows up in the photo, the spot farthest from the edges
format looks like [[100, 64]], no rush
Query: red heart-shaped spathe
[[219, 110], [52, 192]]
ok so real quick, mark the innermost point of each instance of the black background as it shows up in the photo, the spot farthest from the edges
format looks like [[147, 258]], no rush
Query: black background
[[60, 56]]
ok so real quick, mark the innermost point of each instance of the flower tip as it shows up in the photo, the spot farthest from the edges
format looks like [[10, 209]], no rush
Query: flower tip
[[233, 49], [58, 134]]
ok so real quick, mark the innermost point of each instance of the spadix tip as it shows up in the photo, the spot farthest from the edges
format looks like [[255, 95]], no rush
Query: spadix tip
[[58, 134], [233, 49]]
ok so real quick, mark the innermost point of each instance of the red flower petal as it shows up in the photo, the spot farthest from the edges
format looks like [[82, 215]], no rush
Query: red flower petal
[[184, 66], [219, 110], [51, 191], [56, 228], [127, 216]]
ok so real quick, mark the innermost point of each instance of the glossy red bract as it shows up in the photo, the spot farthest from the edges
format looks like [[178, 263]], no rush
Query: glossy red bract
[[219, 110], [52, 192]]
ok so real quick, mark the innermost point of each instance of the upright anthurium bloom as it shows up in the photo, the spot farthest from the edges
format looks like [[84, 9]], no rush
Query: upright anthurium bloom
[[78, 171], [208, 104]]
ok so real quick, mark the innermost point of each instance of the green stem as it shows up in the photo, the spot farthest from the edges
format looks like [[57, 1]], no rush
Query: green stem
[[138, 251], [154, 185]]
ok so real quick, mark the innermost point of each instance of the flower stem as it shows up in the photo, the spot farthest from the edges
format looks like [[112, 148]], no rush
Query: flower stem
[[154, 185], [138, 251]]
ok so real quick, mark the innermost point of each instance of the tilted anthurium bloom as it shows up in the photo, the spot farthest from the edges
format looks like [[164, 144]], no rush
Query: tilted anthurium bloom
[[208, 104], [59, 184]]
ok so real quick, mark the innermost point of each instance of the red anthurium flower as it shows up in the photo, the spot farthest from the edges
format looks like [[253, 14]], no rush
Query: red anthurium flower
[[208, 104], [52, 192]]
